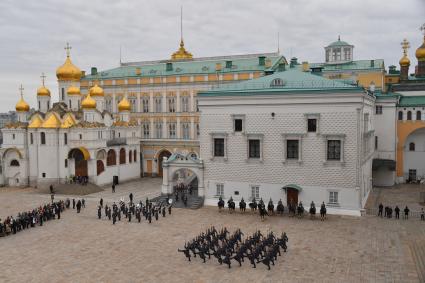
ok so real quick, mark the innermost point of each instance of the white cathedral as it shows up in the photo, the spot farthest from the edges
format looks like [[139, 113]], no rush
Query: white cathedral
[[72, 137]]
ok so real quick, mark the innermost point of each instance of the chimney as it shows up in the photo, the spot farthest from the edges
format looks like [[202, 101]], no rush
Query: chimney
[[294, 62], [93, 71], [262, 60]]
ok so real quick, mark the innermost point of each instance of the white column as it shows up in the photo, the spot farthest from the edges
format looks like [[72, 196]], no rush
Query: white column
[[165, 186], [178, 105], [201, 186], [138, 103], [178, 129]]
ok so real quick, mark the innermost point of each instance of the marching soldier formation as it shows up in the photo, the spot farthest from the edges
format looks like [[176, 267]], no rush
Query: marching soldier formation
[[148, 210], [225, 247], [388, 212], [31, 218]]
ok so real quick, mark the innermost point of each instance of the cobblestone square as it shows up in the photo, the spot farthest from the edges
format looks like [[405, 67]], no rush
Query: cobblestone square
[[81, 248]]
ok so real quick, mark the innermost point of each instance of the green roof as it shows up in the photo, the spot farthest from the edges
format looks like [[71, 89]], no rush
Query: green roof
[[283, 81], [206, 65], [408, 101], [378, 64], [339, 43]]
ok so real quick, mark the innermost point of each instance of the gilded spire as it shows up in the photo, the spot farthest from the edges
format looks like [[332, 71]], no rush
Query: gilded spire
[[405, 45], [182, 53]]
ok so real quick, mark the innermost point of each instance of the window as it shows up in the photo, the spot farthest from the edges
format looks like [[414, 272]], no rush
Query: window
[[122, 156], [255, 192], [378, 109], [400, 115], [172, 130], [376, 142], [198, 131], [146, 130], [292, 149], [31, 138], [220, 190], [65, 138], [254, 149], [66, 163], [418, 115], [412, 175], [409, 115], [186, 131], [158, 130], [13, 136], [412, 146], [171, 104], [63, 94], [278, 82], [311, 125], [333, 197], [130, 156], [158, 106], [145, 102], [43, 175], [14, 163], [238, 125], [111, 158], [185, 104], [81, 136], [197, 104], [219, 147], [70, 104], [43, 138], [39, 105], [134, 155], [334, 150]]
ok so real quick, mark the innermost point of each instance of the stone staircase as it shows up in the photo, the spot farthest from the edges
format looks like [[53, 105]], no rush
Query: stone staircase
[[193, 201], [418, 252]]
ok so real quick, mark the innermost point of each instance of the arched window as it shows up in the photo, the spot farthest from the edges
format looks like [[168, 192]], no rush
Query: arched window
[[134, 155], [409, 115], [400, 115], [43, 138], [130, 157], [122, 156], [100, 167], [278, 82], [14, 163], [412, 146], [112, 158], [418, 115]]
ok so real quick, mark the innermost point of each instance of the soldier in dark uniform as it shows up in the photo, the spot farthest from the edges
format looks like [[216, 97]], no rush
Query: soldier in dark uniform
[[73, 203], [406, 213], [150, 216], [78, 206], [156, 214], [381, 207], [131, 197], [169, 209], [163, 211], [129, 216], [101, 202], [99, 211], [397, 212], [113, 188], [114, 217]]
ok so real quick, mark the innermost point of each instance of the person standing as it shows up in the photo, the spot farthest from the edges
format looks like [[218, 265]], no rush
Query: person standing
[[131, 198], [380, 209], [406, 213], [83, 202], [113, 187], [73, 203], [101, 202], [78, 206], [99, 211], [397, 212]]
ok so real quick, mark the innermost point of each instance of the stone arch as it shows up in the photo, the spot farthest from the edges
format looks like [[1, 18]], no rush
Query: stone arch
[[81, 156], [160, 158], [101, 154], [404, 130], [122, 156], [111, 158]]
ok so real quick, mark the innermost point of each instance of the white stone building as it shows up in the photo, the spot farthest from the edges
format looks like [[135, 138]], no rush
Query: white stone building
[[290, 135]]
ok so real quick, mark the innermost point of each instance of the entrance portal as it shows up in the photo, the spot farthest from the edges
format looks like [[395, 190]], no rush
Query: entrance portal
[[80, 161], [291, 196], [161, 156]]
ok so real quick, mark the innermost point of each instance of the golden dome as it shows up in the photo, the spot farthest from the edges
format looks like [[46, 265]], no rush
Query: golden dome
[[124, 105], [88, 103], [73, 90], [43, 91], [420, 52], [68, 71], [96, 91], [182, 53], [52, 122], [22, 106], [404, 61]]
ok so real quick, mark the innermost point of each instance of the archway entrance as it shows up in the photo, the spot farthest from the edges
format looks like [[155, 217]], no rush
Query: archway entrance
[[80, 156], [292, 192], [185, 181], [162, 154]]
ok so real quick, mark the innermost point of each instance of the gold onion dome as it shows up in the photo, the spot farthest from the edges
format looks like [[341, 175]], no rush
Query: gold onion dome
[[96, 91], [124, 105], [420, 52], [73, 90], [404, 61], [88, 103], [43, 91], [22, 106], [68, 71]]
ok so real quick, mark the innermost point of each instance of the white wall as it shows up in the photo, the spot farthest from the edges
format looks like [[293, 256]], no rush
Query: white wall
[[415, 159]]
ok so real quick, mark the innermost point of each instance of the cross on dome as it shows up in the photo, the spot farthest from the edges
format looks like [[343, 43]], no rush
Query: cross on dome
[[21, 90], [43, 77], [68, 49], [422, 29], [405, 45]]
